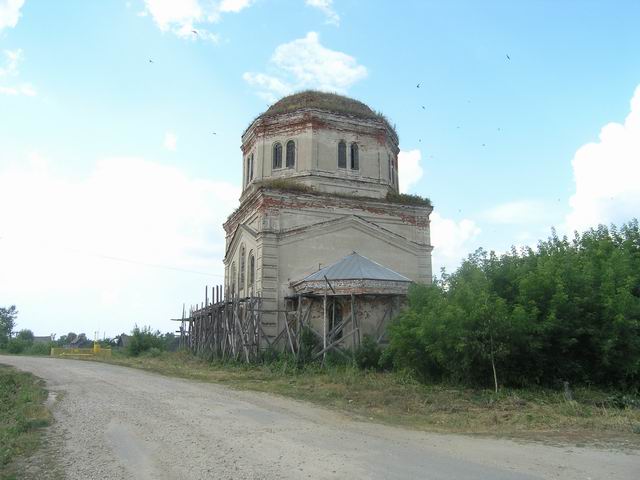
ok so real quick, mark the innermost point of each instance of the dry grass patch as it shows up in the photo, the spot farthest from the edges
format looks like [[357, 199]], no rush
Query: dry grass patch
[[398, 399]]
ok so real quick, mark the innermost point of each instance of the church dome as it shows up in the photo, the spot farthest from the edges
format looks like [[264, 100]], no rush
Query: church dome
[[329, 102]]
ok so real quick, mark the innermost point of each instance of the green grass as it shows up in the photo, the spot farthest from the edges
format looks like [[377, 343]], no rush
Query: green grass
[[22, 416], [397, 399], [291, 185]]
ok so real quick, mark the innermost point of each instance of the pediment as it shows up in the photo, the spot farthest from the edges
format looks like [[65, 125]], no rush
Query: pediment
[[349, 222], [238, 235]]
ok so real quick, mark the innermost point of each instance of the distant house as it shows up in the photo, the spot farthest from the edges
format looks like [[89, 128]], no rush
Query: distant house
[[46, 339], [122, 340]]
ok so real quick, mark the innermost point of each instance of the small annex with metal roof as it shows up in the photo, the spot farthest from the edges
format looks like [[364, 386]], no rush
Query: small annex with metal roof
[[353, 274]]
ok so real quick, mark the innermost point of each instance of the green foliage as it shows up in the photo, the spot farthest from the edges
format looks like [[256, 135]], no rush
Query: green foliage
[[25, 334], [309, 342], [21, 413], [285, 185], [39, 349], [7, 323], [18, 345], [331, 102], [408, 199], [566, 311], [368, 354], [144, 340]]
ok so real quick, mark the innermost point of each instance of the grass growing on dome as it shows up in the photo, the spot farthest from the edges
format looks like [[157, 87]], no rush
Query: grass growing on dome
[[322, 100], [330, 102]]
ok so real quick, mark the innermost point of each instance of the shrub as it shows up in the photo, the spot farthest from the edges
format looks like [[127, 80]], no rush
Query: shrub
[[566, 311], [38, 349], [143, 340], [153, 352], [17, 345], [308, 343], [368, 354]]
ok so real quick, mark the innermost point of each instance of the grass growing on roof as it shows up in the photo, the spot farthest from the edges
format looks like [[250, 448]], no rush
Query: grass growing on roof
[[329, 102], [408, 199]]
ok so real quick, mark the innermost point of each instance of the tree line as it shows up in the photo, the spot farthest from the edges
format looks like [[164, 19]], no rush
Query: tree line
[[568, 310]]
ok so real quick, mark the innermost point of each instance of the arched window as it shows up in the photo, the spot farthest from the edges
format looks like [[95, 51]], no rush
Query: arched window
[[232, 278], [342, 154], [277, 155], [252, 269], [355, 161], [243, 263], [291, 154]]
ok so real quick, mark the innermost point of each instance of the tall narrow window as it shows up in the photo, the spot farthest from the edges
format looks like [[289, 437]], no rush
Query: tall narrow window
[[291, 154], [395, 170], [252, 269], [355, 161], [342, 154], [250, 168], [390, 169], [243, 261], [232, 279], [277, 155]]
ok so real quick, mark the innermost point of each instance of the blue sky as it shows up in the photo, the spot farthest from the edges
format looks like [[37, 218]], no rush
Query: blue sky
[[113, 185]]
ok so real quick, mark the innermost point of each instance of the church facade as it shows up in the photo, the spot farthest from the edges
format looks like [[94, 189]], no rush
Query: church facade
[[320, 182]]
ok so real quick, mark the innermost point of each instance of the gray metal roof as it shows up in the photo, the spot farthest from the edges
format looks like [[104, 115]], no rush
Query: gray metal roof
[[356, 267]]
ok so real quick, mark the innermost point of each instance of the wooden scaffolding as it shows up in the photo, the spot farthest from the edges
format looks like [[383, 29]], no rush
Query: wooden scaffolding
[[227, 329]]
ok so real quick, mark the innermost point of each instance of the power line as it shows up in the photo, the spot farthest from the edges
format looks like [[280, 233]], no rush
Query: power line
[[134, 262]]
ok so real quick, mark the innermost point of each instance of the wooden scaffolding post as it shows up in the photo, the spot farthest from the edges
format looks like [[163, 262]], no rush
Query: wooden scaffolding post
[[324, 326]]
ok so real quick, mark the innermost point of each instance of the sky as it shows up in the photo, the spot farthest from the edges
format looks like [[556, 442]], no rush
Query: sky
[[120, 125]]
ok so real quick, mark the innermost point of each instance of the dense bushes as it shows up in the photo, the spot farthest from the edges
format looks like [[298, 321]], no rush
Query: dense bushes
[[143, 340], [567, 311]]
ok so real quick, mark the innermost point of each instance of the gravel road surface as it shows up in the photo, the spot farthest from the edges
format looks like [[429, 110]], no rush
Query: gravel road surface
[[119, 423]]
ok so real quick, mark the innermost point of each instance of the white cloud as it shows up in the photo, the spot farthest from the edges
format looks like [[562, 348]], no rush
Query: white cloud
[[305, 63], [10, 13], [12, 59], [234, 5], [607, 175], [269, 88], [409, 169], [9, 69], [186, 18], [66, 232], [452, 241], [517, 212], [326, 7], [170, 141]]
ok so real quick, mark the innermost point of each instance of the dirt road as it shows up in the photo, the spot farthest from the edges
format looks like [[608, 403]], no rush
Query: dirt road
[[118, 423]]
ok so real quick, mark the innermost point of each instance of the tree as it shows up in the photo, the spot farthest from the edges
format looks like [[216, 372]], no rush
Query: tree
[[7, 323], [26, 335], [568, 310]]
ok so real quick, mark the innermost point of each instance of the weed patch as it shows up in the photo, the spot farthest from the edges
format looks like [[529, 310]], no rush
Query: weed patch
[[22, 415]]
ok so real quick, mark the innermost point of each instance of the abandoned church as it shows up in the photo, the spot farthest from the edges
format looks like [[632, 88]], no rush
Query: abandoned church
[[322, 238]]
